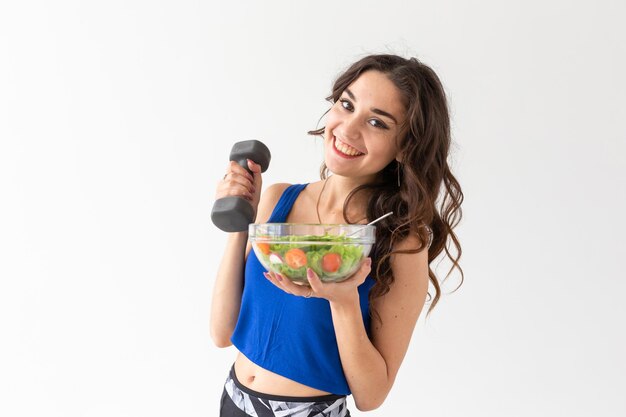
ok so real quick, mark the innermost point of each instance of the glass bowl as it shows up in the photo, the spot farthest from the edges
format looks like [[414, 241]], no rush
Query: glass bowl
[[333, 251]]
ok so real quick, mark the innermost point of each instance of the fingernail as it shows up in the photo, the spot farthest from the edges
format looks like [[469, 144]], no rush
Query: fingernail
[[279, 277], [266, 275], [309, 273]]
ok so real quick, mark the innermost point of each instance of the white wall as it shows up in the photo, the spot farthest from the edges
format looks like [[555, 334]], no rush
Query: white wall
[[116, 120]]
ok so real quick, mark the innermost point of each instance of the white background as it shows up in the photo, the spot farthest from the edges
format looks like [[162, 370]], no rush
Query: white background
[[116, 121]]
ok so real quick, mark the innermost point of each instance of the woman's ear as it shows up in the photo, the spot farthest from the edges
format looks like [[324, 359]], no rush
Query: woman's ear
[[398, 153]]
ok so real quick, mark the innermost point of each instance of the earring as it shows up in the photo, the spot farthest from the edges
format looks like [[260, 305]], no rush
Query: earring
[[398, 170]]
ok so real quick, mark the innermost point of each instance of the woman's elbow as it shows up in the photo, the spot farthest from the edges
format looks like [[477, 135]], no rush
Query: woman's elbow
[[222, 343], [370, 402], [220, 339], [368, 405]]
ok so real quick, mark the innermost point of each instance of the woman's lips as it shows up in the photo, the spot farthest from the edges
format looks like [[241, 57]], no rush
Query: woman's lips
[[341, 154]]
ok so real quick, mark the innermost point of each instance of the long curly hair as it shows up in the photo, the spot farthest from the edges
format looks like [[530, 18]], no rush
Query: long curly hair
[[410, 188]]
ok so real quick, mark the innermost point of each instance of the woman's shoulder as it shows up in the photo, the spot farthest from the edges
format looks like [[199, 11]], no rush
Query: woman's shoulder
[[268, 200], [271, 195], [273, 192]]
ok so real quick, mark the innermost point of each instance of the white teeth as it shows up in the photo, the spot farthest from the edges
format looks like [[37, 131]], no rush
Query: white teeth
[[346, 149]]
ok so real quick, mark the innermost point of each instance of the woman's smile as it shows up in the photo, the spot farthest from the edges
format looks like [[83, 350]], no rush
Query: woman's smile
[[344, 150]]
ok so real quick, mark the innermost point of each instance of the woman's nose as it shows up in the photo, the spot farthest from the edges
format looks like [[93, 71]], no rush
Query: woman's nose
[[350, 127]]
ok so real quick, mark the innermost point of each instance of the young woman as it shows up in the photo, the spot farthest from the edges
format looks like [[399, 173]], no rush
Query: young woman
[[386, 144]]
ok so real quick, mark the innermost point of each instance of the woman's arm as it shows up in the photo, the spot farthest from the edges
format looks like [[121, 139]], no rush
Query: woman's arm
[[371, 366], [228, 287]]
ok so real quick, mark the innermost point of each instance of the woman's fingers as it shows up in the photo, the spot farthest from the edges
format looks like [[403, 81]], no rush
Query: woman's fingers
[[239, 174], [256, 174], [233, 187], [314, 281], [254, 167], [287, 285], [339, 291], [238, 169], [257, 182], [237, 182]]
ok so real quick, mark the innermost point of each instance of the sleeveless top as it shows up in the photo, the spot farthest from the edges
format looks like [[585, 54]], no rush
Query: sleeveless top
[[290, 335]]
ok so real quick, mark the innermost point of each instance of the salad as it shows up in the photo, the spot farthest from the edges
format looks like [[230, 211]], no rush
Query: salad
[[332, 257]]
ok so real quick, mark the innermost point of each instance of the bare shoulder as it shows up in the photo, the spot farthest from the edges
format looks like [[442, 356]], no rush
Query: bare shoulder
[[268, 201], [269, 198]]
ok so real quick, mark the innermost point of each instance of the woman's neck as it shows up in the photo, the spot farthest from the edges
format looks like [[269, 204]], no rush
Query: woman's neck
[[332, 197]]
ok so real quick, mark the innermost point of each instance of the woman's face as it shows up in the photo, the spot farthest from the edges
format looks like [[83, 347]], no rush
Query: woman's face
[[361, 128]]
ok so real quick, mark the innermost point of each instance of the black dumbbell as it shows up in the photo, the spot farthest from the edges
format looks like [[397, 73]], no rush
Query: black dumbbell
[[234, 214]]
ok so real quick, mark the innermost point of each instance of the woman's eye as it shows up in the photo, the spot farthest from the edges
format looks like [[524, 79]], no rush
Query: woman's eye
[[348, 106], [344, 102], [378, 124]]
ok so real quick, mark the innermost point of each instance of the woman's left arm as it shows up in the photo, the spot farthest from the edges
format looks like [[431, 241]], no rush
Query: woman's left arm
[[371, 366]]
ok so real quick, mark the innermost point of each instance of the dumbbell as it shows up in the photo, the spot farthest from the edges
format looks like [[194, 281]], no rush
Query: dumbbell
[[234, 214]]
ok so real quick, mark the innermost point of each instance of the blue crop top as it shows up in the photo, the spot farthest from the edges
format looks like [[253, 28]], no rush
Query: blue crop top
[[290, 335]]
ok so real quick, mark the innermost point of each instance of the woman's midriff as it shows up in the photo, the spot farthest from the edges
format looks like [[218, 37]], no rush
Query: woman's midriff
[[258, 379]]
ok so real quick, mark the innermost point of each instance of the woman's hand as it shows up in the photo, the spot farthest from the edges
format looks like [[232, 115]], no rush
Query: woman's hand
[[336, 292], [238, 182]]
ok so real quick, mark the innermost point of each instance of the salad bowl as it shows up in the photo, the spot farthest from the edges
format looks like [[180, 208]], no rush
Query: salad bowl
[[333, 251]]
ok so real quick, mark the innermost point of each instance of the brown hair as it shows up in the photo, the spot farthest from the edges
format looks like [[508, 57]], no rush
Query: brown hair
[[424, 143]]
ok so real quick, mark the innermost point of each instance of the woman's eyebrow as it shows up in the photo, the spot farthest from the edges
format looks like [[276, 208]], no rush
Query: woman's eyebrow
[[374, 110]]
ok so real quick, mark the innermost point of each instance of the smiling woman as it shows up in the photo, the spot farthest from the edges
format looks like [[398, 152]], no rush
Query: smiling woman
[[304, 348], [358, 129]]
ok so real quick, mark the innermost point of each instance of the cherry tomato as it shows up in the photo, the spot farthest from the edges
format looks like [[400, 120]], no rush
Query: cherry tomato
[[331, 262], [264, 248], [295, 258]]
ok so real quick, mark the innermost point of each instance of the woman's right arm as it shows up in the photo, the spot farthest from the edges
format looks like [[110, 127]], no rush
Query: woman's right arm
[[228, 287]]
